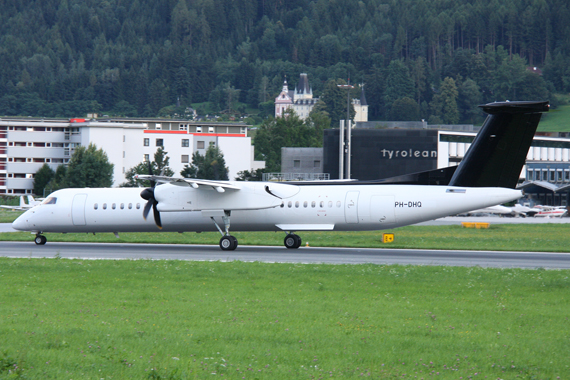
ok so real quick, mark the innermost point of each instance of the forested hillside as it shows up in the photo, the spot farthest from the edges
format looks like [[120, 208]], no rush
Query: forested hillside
[[136, 57]]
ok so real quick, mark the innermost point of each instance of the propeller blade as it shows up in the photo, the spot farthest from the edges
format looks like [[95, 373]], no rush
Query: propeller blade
[[146, 210], [156, 215]]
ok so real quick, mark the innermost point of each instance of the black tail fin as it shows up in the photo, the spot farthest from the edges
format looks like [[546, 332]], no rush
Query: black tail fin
[[498, 153]]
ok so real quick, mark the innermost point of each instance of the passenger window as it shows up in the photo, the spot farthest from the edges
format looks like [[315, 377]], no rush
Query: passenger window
[[113, 206], [322, 204], [330, 204], [95, 206], [337, 203], [282, 204], [122, 206], [297, 204], [130, 206], [313, 204], [138, 206], [305, 204], [290, 204], [104, 206]]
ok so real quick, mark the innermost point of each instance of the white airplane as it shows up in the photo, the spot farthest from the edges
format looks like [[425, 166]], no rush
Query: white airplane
[[23, 205], [551, 212], [486, 177]]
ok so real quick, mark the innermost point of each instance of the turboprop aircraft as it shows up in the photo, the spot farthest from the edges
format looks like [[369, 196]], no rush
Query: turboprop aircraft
[[487, 176]]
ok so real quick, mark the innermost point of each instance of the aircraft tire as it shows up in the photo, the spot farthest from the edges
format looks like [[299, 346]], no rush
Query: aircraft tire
[[228, 243], [292, 241], [40, 240]]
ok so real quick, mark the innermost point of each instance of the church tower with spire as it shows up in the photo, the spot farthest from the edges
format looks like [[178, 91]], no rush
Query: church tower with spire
[[284, 100]]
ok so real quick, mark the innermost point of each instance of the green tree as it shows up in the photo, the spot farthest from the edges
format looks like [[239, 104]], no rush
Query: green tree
[[399, 83], [89, 167], [211, 165], [58, 180], [444, 103], [42, 178], [253, 175], [159, 166], [334, 99], [405, 109], [288, 131]]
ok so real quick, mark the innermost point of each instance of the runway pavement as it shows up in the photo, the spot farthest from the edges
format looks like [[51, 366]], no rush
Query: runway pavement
[[284, 255]]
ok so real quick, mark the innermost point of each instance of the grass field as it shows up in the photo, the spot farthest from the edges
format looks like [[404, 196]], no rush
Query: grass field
[[74, 319]]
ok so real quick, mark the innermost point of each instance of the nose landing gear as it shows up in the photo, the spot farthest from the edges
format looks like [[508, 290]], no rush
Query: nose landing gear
[[40, 239]]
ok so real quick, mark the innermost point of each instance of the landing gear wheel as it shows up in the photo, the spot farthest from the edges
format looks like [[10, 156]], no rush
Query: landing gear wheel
[[292, 241], [40, 240], [228, 243]]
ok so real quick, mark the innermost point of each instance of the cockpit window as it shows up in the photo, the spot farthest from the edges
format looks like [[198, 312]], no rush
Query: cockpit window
[[49, 201]]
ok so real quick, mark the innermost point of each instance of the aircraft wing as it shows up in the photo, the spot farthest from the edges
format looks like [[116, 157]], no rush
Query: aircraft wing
[[19, 208], [219, 186]]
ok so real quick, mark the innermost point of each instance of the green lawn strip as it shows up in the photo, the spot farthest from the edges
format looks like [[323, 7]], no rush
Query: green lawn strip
[[177, 320], [8, 216], [500, 237]]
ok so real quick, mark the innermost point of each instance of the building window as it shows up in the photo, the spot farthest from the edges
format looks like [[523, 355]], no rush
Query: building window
[[296, 163], [200, 145], [146, 158], [146, 141], [185, 143], [212, 143], [198, 129], [317, 164], [159, 142], [210, 129], [183, 127], [184, 159]]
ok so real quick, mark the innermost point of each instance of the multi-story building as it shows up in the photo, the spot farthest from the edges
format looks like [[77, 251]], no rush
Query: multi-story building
[[26, 144], [301, 100]]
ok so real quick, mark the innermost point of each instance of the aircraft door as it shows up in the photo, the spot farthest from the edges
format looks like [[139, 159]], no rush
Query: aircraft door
[[351, 207], [78, 209], [382, 209]]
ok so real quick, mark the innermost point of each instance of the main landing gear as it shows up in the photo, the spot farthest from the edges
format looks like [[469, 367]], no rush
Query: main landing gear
[[227, 242], [40, 239], [292, 241]]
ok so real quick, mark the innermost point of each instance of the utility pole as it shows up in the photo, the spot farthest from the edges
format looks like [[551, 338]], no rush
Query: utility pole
[[345, 139]]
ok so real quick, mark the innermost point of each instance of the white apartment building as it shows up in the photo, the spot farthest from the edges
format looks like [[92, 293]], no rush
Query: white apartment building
[[26, 144]]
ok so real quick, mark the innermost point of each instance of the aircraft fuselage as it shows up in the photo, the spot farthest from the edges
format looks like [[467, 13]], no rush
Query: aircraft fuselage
[[311, 207]]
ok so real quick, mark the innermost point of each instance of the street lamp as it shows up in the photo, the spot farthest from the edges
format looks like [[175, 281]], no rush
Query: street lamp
[[345, 145]]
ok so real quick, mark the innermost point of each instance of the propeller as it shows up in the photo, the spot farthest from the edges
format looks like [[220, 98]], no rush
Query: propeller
[[148, 194]]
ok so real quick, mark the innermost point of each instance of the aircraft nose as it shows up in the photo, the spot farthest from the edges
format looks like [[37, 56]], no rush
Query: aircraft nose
[[21, 223]]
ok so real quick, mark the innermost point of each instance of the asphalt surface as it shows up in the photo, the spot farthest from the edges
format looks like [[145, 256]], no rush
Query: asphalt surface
[[303, 254], [283, 255]]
